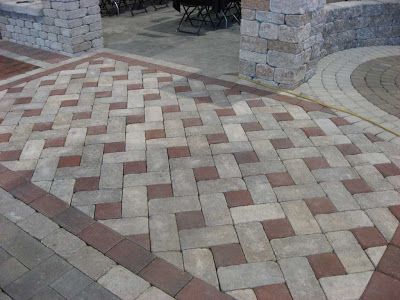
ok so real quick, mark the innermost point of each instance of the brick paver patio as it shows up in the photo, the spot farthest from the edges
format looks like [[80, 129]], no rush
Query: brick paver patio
[[200, 188]]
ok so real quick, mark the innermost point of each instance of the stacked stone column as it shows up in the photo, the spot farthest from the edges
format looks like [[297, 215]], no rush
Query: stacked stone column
[[72, 26], [281, 40]]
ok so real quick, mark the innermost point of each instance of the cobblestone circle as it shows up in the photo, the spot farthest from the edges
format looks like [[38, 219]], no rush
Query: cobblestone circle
[[378, 81]]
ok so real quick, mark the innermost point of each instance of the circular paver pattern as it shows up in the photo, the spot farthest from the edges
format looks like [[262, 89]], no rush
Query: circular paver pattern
[[378, 80]]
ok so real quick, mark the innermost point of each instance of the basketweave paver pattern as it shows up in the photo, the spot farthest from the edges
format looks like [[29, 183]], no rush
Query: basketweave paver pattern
[[333, 84], [252, 212]]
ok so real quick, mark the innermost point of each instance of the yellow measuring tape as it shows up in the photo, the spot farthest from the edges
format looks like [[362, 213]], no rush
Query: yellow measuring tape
[[308, 98]]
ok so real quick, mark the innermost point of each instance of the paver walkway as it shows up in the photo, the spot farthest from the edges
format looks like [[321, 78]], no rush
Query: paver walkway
[[255, 194], [334, 84]]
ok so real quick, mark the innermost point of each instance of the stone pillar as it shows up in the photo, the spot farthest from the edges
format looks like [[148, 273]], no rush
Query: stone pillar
[[72, 26], [281, 40]]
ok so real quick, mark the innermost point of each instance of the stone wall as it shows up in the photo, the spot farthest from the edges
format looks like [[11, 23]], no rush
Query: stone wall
[[283, 40], [65, 26], [360, 24]]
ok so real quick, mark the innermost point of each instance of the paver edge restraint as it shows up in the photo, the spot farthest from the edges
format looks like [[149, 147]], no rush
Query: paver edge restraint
[[309, 98]]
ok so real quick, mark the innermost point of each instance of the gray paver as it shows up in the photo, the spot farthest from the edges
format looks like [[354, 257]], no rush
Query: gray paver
[[123, 283], [249, 275], [300, 245], [301, 279], [71, 283]]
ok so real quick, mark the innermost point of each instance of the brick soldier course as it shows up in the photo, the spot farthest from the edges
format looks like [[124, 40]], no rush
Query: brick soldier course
[[196, 186]]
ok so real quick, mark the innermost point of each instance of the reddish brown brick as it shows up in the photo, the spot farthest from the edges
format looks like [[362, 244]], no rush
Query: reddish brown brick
[[280, 179], [282, 116], [396, 238], [96, 130], [86, 184], [313, 131], [69, 161], [369, 237], [23, 100], [10, 155], [284, 143], [130, 255], [278, 291], [238, 198], [170, 108], [197, 289], [373, 138], [49, 205], [143, 240], [338, 121], [314, 163], [205, 173], [278, 228], [200, 100], [134, 119], [225, 112], [120, 77], [165, 276], [228, 255], [10, 180], [189, 219], [114, 147], [251, 126], [100, 237], [67, 103], [256, 103], [357, 186], [309, 106], [56, 142], [27, 192], [191, 122], [175, 152], [5, 137], [58, 92], [32, 112], [149, 97], [182, 89], [155, 134], [382, 286], [388, 169], [395, 210], [42, 126], [118, 105], [320, 206], [326, 265], [73, 220], [103, 94], [90, 84], [82, 115], [134, 86], [159, 191], [135, 167], [246, 157], [348, 149], [390, 262], [106, 211], [217, 138], [164, 79]]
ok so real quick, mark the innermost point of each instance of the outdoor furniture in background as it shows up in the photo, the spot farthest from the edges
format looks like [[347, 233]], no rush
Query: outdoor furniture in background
[[201, 12], [197, 13], [142, 5]]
